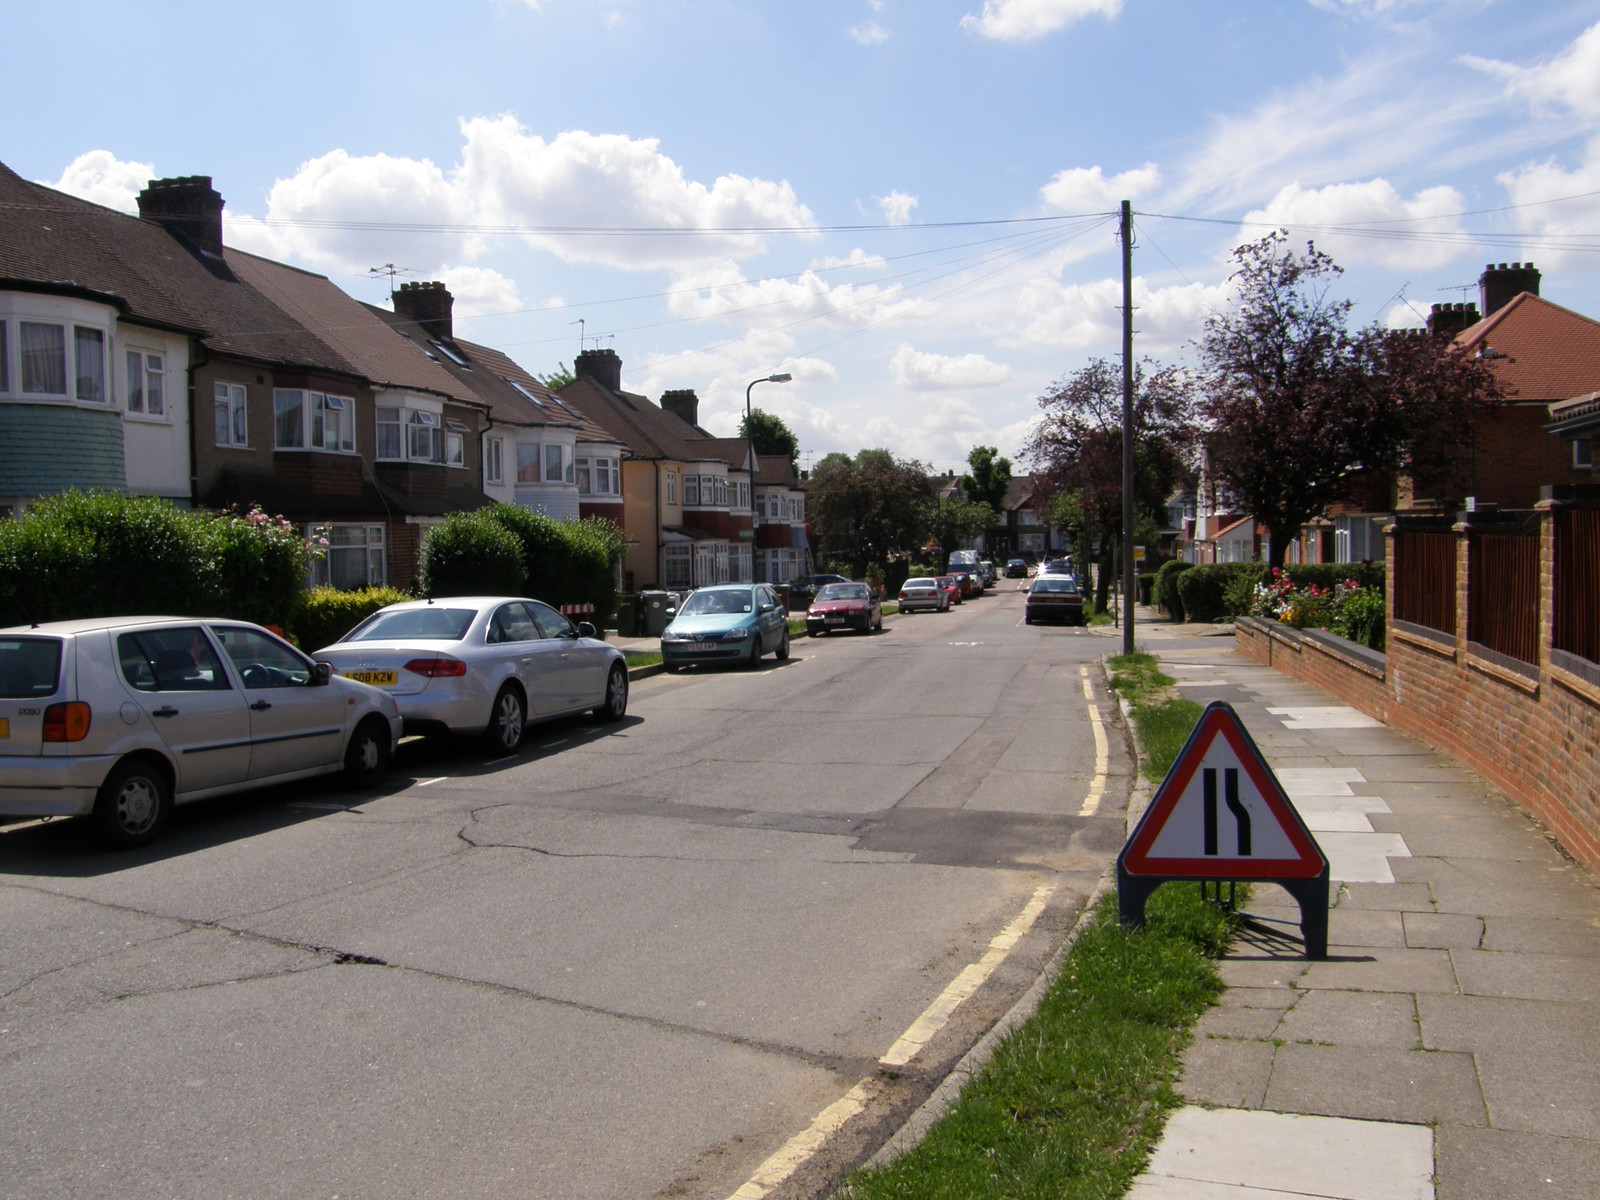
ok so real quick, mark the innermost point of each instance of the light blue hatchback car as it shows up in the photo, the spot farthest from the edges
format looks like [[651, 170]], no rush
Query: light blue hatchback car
[[730, 622]]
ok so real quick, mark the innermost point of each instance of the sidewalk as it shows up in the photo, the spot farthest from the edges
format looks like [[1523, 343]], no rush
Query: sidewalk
[[1449, 1047]]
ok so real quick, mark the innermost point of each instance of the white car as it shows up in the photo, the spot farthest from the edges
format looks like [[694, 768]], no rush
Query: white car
[[120, 718], [483, 665]]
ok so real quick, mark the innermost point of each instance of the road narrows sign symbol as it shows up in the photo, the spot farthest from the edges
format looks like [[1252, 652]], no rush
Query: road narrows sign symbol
[[1222, 814]]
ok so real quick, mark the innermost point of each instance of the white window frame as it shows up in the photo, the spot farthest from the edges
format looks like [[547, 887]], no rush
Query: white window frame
[[324, 421], [677, 565], [494, 458], [455, 444], [368, 543], [599, 475], [672, 487], [530, 462], [691, 491], [230, 402], [82, 378], [146, 394]]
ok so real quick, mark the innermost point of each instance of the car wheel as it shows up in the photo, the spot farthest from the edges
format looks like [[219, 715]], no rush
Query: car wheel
[[755, 653], [133, 804], [671, 668], [783, 648], [506, 720], [615, 705], [366, 759], [813, 633]]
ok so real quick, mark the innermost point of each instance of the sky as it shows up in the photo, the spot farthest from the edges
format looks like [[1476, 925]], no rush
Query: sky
[[908, 205]]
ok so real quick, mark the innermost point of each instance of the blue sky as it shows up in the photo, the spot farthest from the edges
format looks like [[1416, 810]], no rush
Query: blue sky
[[906, 204]]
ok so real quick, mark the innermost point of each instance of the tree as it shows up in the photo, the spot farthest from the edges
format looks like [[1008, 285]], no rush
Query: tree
[[554, 381], [1077, 450], [1304, 412], [870, 507], [989, 476], [770, 436], [951, 522]]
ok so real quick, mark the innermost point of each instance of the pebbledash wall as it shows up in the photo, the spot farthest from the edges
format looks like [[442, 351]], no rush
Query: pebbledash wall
[[1533, 730]]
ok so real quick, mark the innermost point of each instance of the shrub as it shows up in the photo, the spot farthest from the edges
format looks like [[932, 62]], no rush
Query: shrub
[[1360, 617], [1203, 590], [469, 554], [254, 565], [324, 615], [1165, 593], [1147, 587], [566, 562]]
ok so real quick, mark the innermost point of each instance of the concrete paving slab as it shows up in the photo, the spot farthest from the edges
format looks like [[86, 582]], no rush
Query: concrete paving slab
[[1376, 1084], [1237, 1022], [1401, 895], [1362, 857], [1338, 716], [1545, 886], [1298, 1155], [1494, 1164], [1542, 935], [1527, 976], [1386, 1020], [1443, 931], [1452, 835], [1226, 1072], [1382, 969], [1365, 927]]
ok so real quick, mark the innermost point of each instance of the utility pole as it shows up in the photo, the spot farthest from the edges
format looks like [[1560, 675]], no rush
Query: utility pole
[[1129, 594]]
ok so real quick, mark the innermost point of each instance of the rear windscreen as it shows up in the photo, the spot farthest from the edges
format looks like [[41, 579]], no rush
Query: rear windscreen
[[29, 667]]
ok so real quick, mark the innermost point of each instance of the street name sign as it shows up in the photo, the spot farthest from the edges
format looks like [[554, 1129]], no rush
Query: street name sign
[[1221, 814]]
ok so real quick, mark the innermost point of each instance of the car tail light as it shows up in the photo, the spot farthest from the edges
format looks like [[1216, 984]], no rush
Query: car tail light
[[437, 668], [66, 722]]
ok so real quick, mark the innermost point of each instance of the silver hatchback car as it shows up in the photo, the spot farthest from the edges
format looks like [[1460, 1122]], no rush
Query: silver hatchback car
[[120, 718], [483, 665]]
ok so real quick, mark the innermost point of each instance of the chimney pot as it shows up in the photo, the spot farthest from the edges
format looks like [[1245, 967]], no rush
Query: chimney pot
[[1498, 286], [600, 365], [187, 206], [430, 305], [682, 403]]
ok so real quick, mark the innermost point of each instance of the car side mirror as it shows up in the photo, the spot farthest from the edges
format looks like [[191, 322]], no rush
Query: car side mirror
[[671, 612], [766, 608], [321, 673], [585, 629]]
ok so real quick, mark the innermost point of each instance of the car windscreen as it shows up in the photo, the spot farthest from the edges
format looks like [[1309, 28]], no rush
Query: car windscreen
[[842, 591], [29, 666], [415, 624], [711, 603], [919, 585], [1055, 583]]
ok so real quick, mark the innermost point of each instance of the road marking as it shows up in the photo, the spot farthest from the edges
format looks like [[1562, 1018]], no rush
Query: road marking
[[969, 981], [1102, 753], [803, 1145], [426, 782]]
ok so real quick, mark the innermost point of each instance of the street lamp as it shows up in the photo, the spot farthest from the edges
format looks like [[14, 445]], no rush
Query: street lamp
[[750, 449]]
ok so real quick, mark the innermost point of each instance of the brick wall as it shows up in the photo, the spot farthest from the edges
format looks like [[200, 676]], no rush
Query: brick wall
[[1533, 730]]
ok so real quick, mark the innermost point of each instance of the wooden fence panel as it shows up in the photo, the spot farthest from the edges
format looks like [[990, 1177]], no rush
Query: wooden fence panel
[[1577, 583], [1503, 594], [1425, 579]]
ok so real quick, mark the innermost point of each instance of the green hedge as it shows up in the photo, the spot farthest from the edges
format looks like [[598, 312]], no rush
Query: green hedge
[[324, 615], [471, 554], [1219, 591], [1165, 593], [103, 554]]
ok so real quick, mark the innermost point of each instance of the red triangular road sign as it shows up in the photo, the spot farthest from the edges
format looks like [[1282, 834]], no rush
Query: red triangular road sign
[[1221, 813]]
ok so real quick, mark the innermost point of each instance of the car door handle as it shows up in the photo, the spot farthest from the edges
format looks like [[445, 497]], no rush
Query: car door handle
[[165, 711], [260, 706]]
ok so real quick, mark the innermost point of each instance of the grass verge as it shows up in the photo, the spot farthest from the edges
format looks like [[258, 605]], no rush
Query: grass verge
[[1073, 1099], [1164, 720]]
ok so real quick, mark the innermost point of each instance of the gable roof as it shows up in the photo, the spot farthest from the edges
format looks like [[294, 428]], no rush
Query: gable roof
[[1542, 352], [646, 429]]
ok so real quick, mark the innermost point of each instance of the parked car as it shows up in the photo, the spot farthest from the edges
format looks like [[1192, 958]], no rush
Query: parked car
[[1017, 568], [1057, 566], [1053, 598], [988, 573], [483, 665], [969, 583], [119, 719], [803, 589], [924, 593], [736, 622], [842, 606], [951, 586]]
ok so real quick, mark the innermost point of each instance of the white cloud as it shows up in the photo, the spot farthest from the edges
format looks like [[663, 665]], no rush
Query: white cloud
[[1087, 190], [869, 33], [724, 294], [857, 258], [1554, 203], [585, 180], [920, 371], [101, 178], [479, 291], [1088, 316], [897, 207], [1023, 20], [1570, 80], [1401, 225]]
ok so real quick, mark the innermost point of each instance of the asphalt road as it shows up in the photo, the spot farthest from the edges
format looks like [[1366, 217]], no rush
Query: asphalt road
[[630, 961]]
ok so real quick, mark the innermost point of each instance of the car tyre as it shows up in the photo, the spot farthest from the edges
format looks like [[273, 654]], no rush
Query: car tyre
[[506, 721], [783, 648], [755, 653], [615, 705], [367, 758], [133, 804]]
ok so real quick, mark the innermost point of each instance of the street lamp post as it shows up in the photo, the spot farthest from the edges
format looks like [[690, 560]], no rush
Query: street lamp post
[[750, 450]]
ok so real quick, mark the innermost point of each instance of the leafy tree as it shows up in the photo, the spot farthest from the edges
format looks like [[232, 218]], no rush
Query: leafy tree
[[555, 380], [952, 522], [1303, 411], [1077, 451], [870, 507], [989, 476], [772, 438]]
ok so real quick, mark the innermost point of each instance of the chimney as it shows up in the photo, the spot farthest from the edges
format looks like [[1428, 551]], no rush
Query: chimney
[[682, 403], [429, 305], [1447, 320], [603, 366], [189, 207], [1497, 286]]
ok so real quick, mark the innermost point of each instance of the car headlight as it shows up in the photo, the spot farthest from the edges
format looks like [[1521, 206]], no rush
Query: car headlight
[[737, 634], [673, 635]]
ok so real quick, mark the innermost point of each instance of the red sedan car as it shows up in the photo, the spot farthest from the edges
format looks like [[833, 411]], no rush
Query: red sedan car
[[952, 587], [844, 606]]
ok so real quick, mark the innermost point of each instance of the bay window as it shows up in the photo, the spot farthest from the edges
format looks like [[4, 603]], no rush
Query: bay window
[[599, 476], [44, 359], [89, 358], [410, 435], [691, 491], [307, 420]]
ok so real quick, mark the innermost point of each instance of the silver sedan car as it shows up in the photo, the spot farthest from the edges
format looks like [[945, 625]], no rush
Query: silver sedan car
[[482, 665]]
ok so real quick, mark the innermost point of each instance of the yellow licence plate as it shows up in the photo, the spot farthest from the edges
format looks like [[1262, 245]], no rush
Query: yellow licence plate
[[5, 727], [376, 678]]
